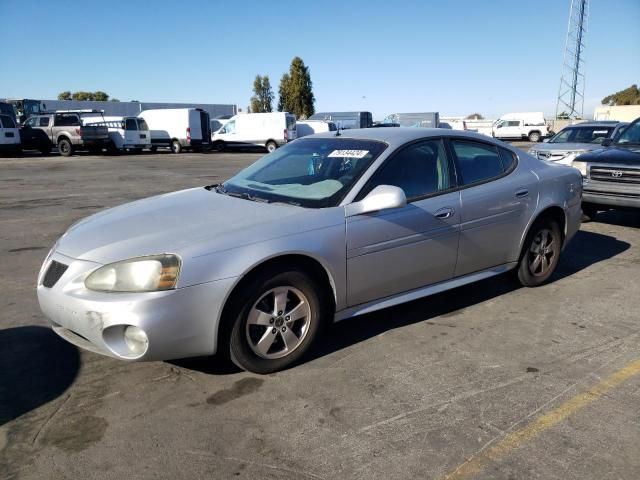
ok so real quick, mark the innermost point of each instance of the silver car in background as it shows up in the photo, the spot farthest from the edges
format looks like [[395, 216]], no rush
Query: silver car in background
[[327, 227], [574, 140]]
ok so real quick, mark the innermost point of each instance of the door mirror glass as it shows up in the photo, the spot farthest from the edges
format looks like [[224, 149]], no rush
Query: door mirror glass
[[383, 197]]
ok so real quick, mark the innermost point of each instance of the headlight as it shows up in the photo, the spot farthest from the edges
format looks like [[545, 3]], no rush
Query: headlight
[[582, 166], [144, 274]]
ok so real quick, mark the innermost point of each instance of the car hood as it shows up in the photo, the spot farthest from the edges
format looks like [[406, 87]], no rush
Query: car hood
[[189, 223], [565, 147], [614, 155]]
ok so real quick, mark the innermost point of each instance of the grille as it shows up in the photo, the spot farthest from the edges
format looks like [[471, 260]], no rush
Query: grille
[[54, 272], [616, 175]]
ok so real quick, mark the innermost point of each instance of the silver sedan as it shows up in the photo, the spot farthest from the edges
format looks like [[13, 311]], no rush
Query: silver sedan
[[325, 228]]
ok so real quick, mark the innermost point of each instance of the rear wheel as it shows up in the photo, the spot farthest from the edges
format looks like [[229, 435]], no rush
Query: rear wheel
[[45, 150], [271, 146], [65, 147], [589, 212], [534, 137], [219, 146], [540, 253], [153, 148], [176, 147], [280, 316], [95, 150]]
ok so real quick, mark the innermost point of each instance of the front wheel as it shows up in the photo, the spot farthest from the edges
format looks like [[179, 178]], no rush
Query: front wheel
[[281, 316], [540, 253], [534, 137], [176, 147], [589, 212], [271, 146]]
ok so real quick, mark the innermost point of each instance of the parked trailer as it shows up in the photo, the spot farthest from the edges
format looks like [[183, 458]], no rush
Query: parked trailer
[[346, 119]]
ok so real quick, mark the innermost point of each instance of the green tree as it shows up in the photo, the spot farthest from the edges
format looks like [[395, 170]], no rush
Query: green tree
[[262, 99], [628, 96], [100, 96], [475, 116], [296, 90], [114, 100], [81, 95], [64, 95]]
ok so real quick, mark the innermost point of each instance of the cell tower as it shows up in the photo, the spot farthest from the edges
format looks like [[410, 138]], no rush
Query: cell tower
[[571, 91]]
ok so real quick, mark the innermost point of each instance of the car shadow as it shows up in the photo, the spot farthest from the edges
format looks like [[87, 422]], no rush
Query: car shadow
[[585, 250], [622, 218], [36, 366]]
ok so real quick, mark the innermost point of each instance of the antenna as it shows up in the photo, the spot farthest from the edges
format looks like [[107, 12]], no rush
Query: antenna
[[571, 92]]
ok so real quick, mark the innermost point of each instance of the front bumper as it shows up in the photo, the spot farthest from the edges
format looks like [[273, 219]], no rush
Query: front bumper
[[179, 323], [611, 194]]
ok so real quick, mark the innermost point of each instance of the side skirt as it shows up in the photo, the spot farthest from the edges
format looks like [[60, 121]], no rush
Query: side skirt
[[422, 292]]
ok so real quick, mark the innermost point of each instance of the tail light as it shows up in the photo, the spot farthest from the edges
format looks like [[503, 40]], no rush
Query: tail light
[[188, 134], [286, 135]]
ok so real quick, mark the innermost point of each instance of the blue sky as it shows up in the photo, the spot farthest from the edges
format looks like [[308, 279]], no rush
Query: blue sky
[[455, 57]]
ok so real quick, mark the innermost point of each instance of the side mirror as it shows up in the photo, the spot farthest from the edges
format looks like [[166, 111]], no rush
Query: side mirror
[[606, 142], [383, 197]]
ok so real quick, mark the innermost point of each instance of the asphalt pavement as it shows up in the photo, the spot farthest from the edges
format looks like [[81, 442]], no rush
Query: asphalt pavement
[[488, 381]]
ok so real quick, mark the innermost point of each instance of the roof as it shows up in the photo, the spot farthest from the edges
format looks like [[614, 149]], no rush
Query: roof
[[595, 123], [401, 135]]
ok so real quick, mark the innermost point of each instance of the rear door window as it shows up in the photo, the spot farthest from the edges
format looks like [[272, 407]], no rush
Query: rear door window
[[7, 122], [44, 122], [130, 124], [66, 120], [142, 125], [477, 162]]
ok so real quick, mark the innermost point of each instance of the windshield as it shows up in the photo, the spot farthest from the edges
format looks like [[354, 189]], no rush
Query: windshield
[[593, 134], [630, 135], [313, 172]]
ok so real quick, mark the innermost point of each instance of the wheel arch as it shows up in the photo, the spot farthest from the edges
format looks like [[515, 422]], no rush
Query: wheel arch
[[553, 212], [309, 264]]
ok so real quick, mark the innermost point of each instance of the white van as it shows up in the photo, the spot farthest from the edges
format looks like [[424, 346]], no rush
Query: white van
[[125, 133], [309, 127], [9, 136], [269, 130], [178, 128]]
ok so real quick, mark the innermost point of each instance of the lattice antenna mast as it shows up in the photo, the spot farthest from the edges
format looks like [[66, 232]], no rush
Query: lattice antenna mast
[[571, 91]]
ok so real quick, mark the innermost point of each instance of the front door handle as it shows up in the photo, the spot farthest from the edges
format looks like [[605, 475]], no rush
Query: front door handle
[[445, 212], [523, 192]]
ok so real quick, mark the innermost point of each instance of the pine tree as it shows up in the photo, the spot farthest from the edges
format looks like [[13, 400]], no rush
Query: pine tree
[[262, 100], [296, 90]]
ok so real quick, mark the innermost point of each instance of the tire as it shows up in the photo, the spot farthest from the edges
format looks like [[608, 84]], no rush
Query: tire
[[589, 212], [46, 150], [65, 147], [534, 137], [176, 147], [95, 150], [153, 148], [219, 146], [271, 146], [540, 253], [258, 341]]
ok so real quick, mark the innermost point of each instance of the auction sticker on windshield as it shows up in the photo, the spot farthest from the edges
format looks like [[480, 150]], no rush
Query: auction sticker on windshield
[[349, 153]]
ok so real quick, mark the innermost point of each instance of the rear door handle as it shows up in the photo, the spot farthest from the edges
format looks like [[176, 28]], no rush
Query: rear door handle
[[523, 192], [445, 212]]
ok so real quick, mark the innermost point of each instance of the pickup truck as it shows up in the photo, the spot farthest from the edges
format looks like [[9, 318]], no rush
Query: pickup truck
[[611, 175], [519, 129], [64, 130]]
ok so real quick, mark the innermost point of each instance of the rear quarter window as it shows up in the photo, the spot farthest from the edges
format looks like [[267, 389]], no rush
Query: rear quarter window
[[477, 162]]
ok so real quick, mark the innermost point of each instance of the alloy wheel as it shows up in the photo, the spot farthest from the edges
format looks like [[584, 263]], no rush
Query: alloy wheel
[[542, 253], [278, 322]]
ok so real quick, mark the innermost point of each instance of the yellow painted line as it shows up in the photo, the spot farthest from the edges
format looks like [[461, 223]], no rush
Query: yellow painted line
[[479, 461]]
